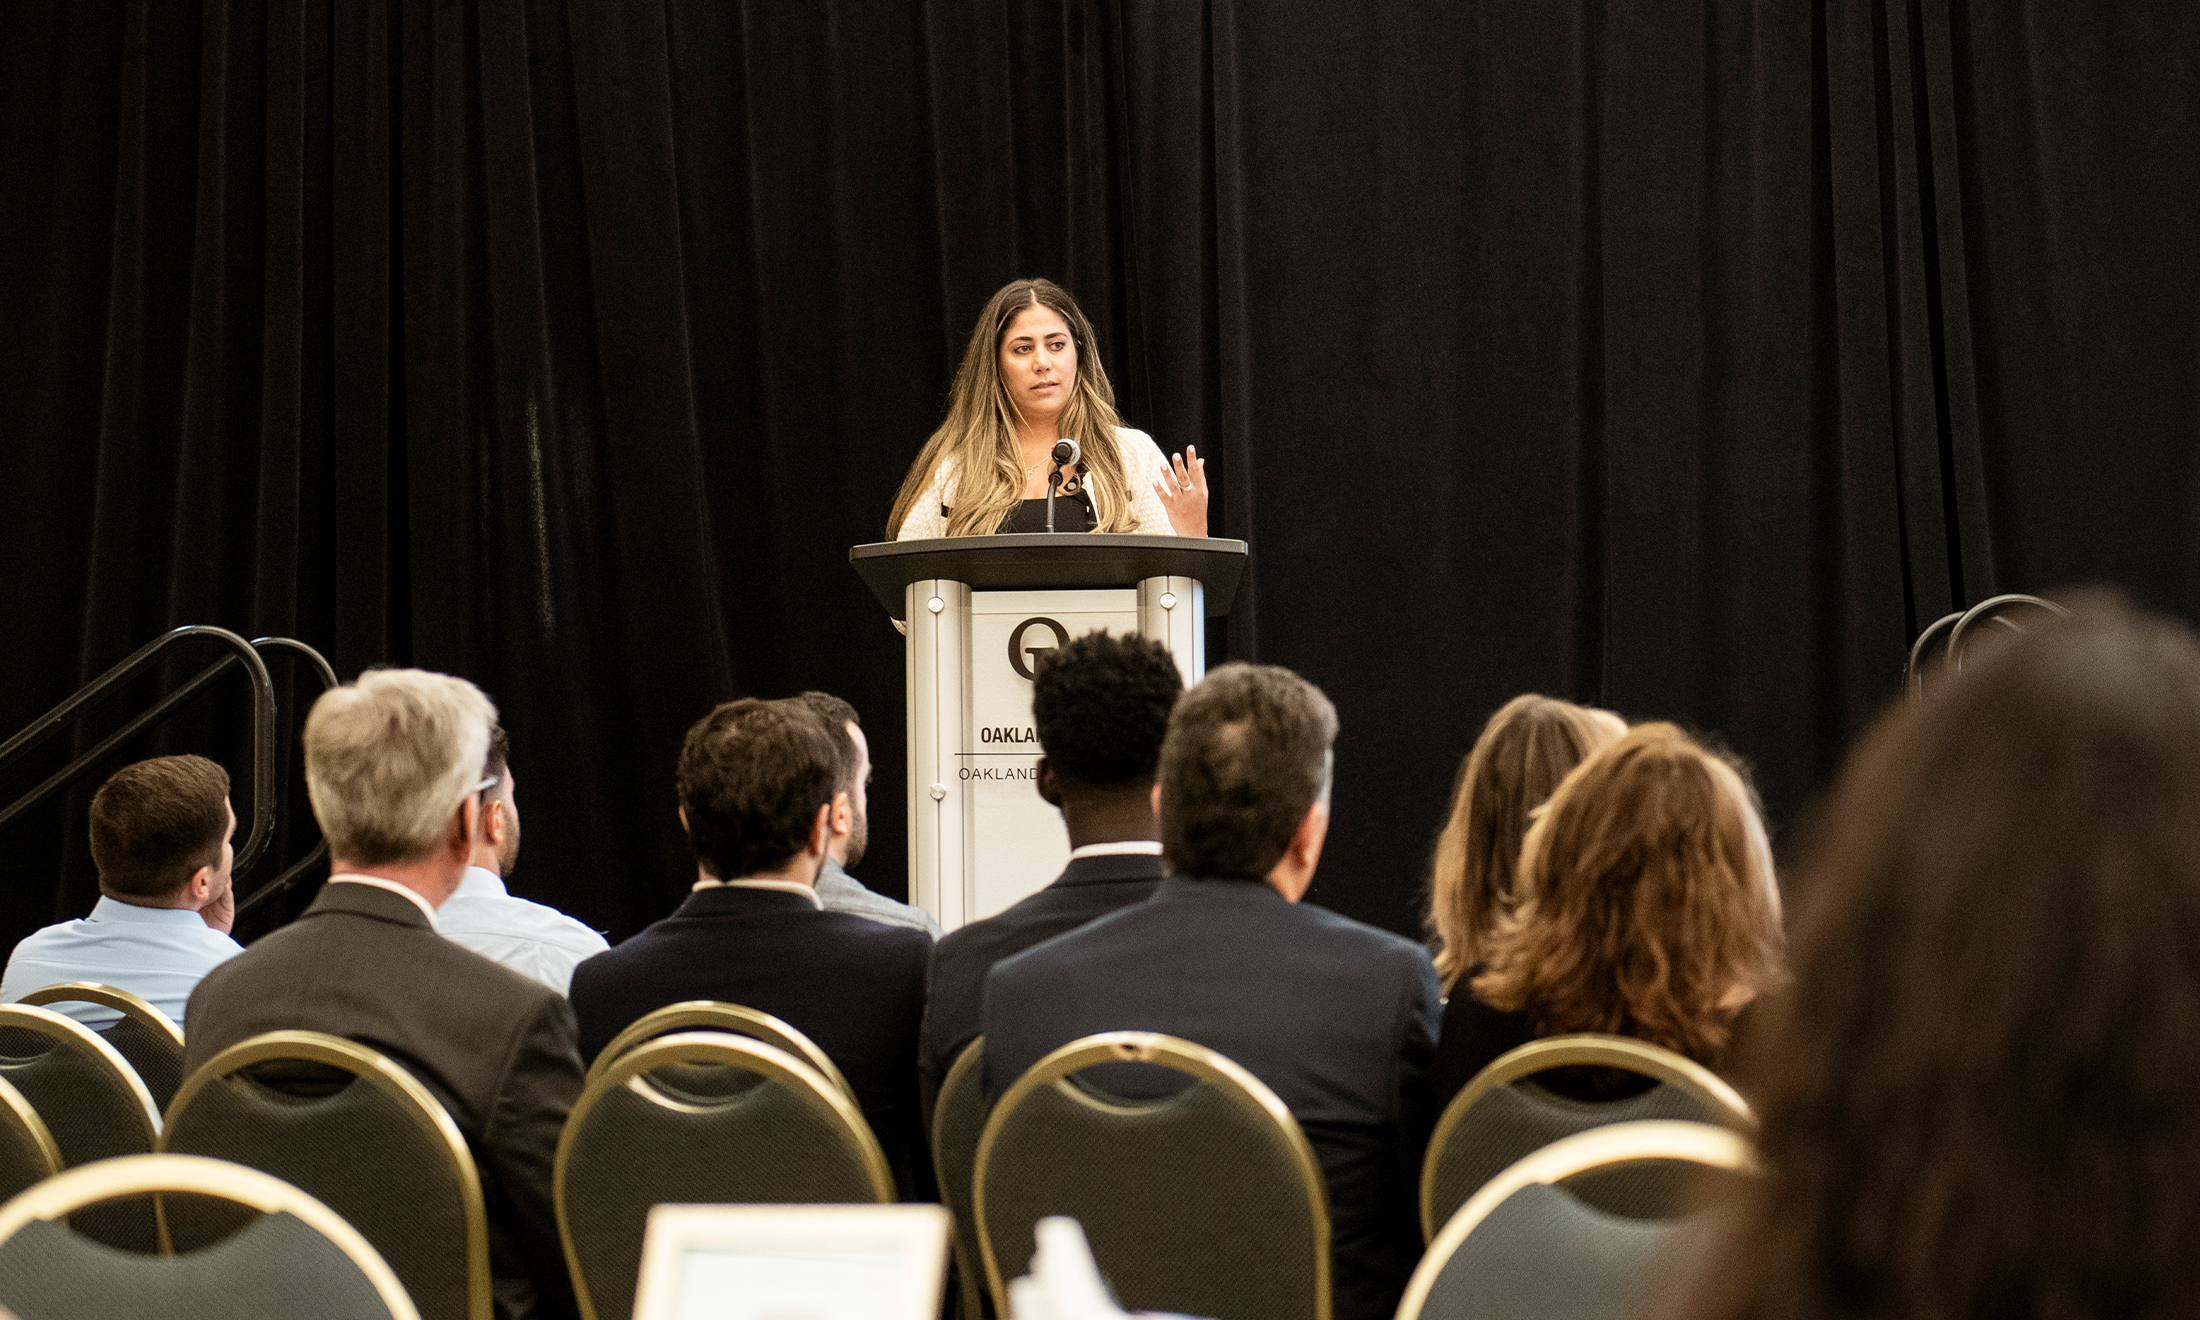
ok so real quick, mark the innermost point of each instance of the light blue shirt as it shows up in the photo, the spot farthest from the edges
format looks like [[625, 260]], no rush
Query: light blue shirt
[[157, 954], [538, 942]]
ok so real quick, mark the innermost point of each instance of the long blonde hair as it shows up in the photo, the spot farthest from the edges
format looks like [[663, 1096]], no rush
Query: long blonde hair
[[1647, 905], [1527, 747], [979, 435]]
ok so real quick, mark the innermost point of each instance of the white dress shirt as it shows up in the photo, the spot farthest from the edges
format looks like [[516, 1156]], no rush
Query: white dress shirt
[[1120, 848], [157, 954], [538, 942]]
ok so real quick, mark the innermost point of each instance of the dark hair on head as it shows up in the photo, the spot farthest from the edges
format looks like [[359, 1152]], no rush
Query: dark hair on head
[[1100, 706], [1247, 754], [1525, 749], [1646, 903], [154, 824], [752, 777], [499, 762], [1978, 1097], [837, 716]]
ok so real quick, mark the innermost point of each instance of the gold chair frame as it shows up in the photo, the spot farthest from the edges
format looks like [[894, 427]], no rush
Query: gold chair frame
[[1584, 1048], [630, 1070], [1183, 1056], [18, 1113], [960, 1074], [195, 1175], [1599, 1148], [375, 1069], [106, 996], [717, 1015], [46, 1022]]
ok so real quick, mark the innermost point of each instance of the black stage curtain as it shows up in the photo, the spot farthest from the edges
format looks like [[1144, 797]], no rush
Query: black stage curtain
[[1684, 356]]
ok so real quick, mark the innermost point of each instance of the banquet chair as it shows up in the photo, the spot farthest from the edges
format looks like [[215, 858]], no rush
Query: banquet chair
[[1525, 1247], [1503, 1114], [958, 1117], [27, 1153], [293, 1256], [712, 1015], [349, 1127], [147, 1038], [700, 1116], [1207, 1201], [92, 1101]]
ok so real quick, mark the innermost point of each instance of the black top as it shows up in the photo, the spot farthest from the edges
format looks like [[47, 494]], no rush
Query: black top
[[1088, 887], [1338, 1018], [1475, 1035], [853, 986], [1072, 513]]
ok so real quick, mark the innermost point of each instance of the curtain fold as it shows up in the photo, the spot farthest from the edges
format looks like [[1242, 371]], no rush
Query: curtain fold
[[1684, 356]]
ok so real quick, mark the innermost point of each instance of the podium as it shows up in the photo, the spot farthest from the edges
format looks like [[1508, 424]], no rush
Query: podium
[[979, 611]]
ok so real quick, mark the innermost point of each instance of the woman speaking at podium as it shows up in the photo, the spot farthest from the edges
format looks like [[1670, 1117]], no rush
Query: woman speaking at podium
[[1030, 378]]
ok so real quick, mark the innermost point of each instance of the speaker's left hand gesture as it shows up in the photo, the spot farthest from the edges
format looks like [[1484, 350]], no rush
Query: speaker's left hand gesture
[[1183, 492]]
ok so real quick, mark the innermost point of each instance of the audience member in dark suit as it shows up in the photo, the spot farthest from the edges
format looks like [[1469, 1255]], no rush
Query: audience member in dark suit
[[1337, 1018], [394, 768], [1100, 706], [1645, 905], [756, 785]]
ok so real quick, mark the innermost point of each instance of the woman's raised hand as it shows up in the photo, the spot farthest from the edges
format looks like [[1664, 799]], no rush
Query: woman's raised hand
[[1183, 492]]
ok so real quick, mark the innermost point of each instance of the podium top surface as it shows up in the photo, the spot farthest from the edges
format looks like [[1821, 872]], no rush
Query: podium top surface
[[1038, 561]]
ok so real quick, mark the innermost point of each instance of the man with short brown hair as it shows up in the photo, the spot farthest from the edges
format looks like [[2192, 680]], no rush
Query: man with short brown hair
[[756, 783], [160, 833], [1338, 1018]]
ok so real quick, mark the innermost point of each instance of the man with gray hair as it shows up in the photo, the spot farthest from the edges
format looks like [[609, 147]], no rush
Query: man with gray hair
[[394, 768], [1339, 1019]]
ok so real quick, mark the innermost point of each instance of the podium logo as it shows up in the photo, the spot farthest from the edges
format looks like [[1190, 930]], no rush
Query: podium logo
[[1024, 659]]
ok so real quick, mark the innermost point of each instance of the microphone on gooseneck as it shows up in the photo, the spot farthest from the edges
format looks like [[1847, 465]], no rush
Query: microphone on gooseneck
[[1065, 451]]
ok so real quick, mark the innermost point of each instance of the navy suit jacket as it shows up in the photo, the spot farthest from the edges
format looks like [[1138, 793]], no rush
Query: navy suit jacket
[[1339, 1019], [1088, 887], [854, 986]]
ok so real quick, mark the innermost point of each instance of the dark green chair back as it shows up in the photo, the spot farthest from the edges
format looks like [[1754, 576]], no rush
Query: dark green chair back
[[1526, 1247], [699, 1117], [1502, 1115], [92, 1101], [27, 1153], [958, 1119], [1207, 1202], [291, 1257], [715, 1015], [147, 1038], [352, 1129]]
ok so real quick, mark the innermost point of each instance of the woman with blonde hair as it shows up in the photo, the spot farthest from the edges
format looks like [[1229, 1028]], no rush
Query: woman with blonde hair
[[1032, 376], [1527, 747], [1647, 907]]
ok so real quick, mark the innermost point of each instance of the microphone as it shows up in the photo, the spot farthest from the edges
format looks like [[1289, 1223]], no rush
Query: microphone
[[1065, 451]]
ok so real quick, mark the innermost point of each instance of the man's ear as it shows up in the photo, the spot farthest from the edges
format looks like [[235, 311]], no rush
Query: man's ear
[[1156, 797], [821, 827], [843, 809], [494, 823], [1050, 788], [465, 825], [683, 819], [200, 886]]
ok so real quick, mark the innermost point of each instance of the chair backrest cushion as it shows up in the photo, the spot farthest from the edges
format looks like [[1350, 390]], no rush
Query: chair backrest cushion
[[354, 1146], [1190, 1202], [1514, 1121], [277, 1268], [1543, 1254], [155, 1054], [721, 1140], [92, 1114]]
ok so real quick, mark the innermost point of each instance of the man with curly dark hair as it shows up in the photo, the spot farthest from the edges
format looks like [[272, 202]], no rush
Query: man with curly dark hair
[[1100, 706]]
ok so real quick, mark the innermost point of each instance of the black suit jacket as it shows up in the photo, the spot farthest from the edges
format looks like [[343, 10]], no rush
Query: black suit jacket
[[495, 1047], [1338, 1018], [854, 986], [1088, 887]]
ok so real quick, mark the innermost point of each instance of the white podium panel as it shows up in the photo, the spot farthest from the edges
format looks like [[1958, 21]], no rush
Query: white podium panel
[[980, 835]]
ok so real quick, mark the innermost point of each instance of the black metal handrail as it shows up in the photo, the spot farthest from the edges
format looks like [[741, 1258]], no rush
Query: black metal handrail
[[265, 789]]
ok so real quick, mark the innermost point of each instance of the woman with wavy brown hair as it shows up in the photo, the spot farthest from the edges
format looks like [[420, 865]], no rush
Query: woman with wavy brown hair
[[1030, 376], [1980, 1095], [1646, 907], [1527, 747]]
